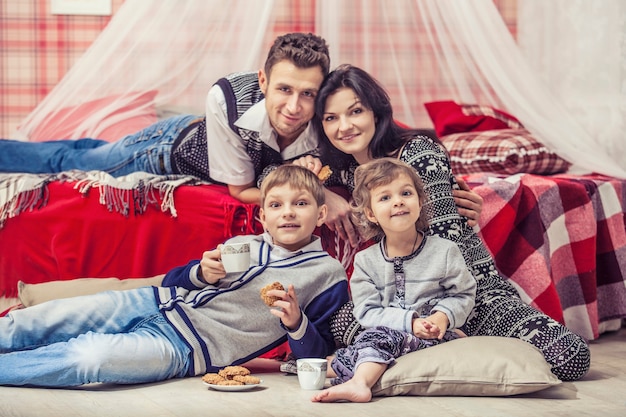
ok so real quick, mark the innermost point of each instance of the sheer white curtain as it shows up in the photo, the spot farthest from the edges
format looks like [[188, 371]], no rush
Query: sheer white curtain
[[566, 86], [578, 49], [427, 50], [179, 48]]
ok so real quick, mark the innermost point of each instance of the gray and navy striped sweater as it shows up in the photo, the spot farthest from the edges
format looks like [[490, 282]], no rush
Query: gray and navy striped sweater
[[228, 323]]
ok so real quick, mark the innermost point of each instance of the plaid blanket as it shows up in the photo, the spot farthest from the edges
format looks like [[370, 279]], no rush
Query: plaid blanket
[[561, 240]]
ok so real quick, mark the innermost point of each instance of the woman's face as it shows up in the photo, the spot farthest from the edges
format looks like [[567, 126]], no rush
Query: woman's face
[[348, 124]]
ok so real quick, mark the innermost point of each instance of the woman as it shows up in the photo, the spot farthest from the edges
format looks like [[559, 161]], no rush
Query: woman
[[354, 121]]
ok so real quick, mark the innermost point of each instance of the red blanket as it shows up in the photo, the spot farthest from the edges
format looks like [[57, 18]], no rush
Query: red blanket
[[69, 235], [562, 241]]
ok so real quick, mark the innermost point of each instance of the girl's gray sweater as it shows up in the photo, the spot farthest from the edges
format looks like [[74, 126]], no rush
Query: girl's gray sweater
[[435, 279]]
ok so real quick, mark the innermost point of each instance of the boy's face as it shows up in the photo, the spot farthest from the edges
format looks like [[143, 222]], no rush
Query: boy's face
[[290, 216], [290, 97]]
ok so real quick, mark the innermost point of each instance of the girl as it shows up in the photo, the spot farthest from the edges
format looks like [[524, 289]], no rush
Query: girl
[[409, 290]]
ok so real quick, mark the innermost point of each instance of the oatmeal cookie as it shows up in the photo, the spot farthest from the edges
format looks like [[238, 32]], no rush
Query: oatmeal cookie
[[213, 378], [324, 173], [247, 379], [229, 382], [267, 299], [230, 371]]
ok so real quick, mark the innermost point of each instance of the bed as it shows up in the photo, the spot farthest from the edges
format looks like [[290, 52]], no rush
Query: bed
[[559, 238]]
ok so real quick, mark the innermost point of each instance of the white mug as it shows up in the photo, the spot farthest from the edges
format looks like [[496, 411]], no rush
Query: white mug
[[235, 257], [312, 373]]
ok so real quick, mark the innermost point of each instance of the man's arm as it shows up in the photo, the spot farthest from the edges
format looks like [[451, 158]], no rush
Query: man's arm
[[338, 218], [248, 193], [228, 160]]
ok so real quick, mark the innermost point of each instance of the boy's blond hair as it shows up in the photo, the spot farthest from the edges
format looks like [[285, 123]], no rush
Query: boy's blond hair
[[296, 177], [375, 173]]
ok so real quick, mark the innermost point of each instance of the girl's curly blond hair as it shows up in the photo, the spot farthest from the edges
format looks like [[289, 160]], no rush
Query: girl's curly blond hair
[[373, 174]]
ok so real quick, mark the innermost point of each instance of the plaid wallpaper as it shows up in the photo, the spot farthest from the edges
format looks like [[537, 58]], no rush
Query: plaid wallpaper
[[37, 48]]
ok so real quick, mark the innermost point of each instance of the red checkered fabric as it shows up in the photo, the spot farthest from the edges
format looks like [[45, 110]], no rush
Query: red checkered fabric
[[478, 110], [38, 48], [505, 151], [561, 240]]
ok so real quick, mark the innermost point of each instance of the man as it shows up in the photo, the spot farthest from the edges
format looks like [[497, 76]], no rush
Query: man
[[253, 123]]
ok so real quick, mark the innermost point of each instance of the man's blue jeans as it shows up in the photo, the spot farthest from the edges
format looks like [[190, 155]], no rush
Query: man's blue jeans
[[148, 150], [114, 336]]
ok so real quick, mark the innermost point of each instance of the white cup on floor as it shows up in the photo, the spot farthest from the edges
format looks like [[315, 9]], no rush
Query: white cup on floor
[[312, 373]]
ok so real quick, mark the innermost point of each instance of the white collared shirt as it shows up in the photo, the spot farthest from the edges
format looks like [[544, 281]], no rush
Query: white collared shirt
[[229, 161]]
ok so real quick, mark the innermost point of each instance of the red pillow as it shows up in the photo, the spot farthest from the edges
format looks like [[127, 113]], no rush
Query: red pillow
[[449, 117], [61, 124]]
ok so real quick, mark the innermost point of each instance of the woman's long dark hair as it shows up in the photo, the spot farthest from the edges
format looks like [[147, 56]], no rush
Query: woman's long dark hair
[[389, 137]]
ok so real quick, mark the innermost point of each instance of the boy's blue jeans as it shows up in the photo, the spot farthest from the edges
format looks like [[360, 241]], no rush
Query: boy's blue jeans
[[148, 150], [114, 336]]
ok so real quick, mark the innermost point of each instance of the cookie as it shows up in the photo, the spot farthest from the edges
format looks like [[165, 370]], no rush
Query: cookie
[[324, 173], [230, 371], [267, 299], [247, 379], [229, 382], [213, 378]]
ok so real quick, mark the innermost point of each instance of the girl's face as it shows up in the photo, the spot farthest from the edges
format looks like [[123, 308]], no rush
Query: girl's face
[[348, 124], [395, 206]]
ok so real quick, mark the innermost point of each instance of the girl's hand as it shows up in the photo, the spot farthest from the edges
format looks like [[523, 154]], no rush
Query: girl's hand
[[287, 308], [425, 329], [440, 320], [211, 266]]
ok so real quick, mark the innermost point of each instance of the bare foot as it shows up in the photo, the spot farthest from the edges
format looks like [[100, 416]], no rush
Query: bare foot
[[349, 391]]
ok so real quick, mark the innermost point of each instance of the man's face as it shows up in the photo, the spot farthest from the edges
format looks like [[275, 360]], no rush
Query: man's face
[[290, 98]]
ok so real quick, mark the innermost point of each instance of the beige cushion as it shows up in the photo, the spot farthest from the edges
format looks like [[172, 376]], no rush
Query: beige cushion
[[32, 294], [471, 366]]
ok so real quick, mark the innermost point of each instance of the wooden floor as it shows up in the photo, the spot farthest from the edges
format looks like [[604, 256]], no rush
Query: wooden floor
[[602, 392]]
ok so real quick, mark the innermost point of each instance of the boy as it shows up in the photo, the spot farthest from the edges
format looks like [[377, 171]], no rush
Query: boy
[[205, 320]]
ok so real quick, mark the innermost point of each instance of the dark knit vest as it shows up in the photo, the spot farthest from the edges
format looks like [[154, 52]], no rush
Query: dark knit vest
[[241, 91]]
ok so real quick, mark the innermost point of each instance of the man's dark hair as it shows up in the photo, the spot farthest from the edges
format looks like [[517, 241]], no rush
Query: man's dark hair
[[305, 50]]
